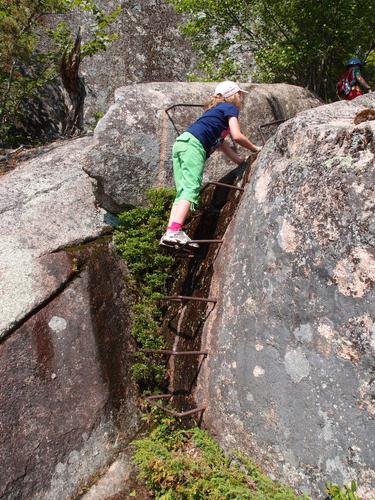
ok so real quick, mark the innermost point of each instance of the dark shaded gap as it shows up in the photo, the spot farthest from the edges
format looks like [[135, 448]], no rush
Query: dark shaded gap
[[193, 278]]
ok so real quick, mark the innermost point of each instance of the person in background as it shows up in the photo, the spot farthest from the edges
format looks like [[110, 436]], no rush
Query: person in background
[[195, 145], [351, 82]]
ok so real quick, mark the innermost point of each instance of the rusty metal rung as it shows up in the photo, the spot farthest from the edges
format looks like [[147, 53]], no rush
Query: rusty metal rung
[[268, 124], [183, 298], [274, 122], [174, 353], [229, 186], [208, 242], [193, 411], [187, 105]]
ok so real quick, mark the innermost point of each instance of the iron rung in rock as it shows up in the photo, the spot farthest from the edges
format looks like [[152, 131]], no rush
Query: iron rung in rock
[[208, 242], [268, 124], [174, 353], [222, 184], [152, 401], [183, 298]]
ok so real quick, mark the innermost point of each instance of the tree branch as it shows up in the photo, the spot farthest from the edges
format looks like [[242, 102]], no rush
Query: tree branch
[[241, 25], [278, 25]]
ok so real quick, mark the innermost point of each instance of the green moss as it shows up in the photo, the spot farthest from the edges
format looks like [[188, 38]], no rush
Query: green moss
[[188, 464], [137, 241]]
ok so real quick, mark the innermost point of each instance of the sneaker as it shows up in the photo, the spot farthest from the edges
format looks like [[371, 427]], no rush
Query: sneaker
[[177, 238]]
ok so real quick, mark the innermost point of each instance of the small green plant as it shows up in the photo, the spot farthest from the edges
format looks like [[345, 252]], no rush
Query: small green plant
[[188, 464], [137, 242], [98, 115], [346, 493]]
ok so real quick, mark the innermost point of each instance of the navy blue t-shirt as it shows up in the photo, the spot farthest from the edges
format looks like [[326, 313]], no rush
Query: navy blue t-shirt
[[212, 127]]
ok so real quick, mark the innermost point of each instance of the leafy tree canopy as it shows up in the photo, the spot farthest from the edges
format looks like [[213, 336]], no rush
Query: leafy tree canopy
[[25, 66], [303, 42]]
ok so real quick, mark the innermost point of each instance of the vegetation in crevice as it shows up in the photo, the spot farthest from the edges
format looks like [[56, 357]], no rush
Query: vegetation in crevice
[[137, 241], [177, 463]]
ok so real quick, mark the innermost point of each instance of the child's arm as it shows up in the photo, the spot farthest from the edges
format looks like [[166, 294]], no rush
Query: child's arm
[[230, 153], [238, 136], [363, 82]]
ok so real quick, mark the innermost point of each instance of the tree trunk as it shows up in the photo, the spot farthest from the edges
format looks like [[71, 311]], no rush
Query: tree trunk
[[74, 87]]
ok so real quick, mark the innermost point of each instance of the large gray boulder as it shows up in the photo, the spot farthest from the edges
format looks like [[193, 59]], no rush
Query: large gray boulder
[[133, 142], [290, 375], [149, 47], [67, 401]]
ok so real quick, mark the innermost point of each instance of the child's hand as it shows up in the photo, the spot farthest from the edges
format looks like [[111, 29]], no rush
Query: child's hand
[[257, 149]]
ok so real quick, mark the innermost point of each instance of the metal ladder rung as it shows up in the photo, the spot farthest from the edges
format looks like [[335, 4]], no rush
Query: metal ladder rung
[[183, 298], [178, 247], [174, 353], [152, 401], [200, 242], [268, 124], [222, 184]]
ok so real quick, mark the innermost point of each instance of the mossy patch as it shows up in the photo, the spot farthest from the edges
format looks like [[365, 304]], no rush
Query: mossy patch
[[137, 241], [188, 464]]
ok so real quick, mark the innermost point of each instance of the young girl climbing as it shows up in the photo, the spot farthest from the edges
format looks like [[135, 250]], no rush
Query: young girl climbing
[[193, 147]]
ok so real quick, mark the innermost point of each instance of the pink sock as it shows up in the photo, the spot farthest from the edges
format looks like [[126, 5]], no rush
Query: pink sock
[[175, 226]]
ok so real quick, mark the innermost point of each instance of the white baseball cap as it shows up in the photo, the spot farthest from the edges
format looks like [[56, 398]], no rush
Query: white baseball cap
[[228, 88]]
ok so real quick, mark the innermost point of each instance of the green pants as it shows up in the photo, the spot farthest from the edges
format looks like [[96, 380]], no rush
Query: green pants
[[188, 162]]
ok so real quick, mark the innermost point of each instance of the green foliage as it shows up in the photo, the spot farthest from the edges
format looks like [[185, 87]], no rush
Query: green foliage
[[294, 41], [98, 115], [24, 67], [189, 464], [345, 493], [137, 240]]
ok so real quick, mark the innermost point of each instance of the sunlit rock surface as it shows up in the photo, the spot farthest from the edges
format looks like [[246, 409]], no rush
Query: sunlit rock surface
[[66, 396], [47, 203], [149, 48], [290, 375], [133, 142]]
